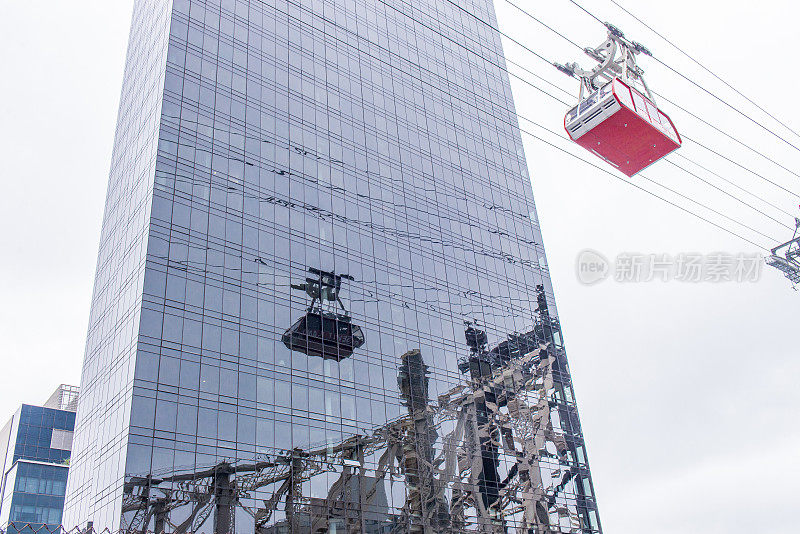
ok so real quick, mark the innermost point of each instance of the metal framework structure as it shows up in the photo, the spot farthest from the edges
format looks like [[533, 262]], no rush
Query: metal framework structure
[[451, 455], [786, 257], [616, 58], [65, 397]]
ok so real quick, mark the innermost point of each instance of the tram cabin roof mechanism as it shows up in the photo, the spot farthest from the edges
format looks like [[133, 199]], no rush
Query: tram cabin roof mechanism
[[616, 117], [322, 333]]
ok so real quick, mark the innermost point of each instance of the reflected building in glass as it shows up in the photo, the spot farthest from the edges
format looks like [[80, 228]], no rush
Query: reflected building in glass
[[322, 301]]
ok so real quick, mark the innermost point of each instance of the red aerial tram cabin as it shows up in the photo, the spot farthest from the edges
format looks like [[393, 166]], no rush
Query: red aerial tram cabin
[[617, 121], [622, 126]]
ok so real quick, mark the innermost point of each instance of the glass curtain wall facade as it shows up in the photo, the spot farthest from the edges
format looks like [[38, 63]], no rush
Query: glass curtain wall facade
[[34, 456], [322, 301]]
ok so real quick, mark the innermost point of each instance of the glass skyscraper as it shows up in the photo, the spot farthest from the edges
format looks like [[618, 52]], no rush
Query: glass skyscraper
[[321, 301]]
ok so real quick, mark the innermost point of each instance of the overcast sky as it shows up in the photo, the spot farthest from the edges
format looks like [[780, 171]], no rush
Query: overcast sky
[[688, 392]]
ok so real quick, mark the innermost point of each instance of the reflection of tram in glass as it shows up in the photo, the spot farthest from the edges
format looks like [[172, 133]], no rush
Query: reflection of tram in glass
[[326, 334]]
